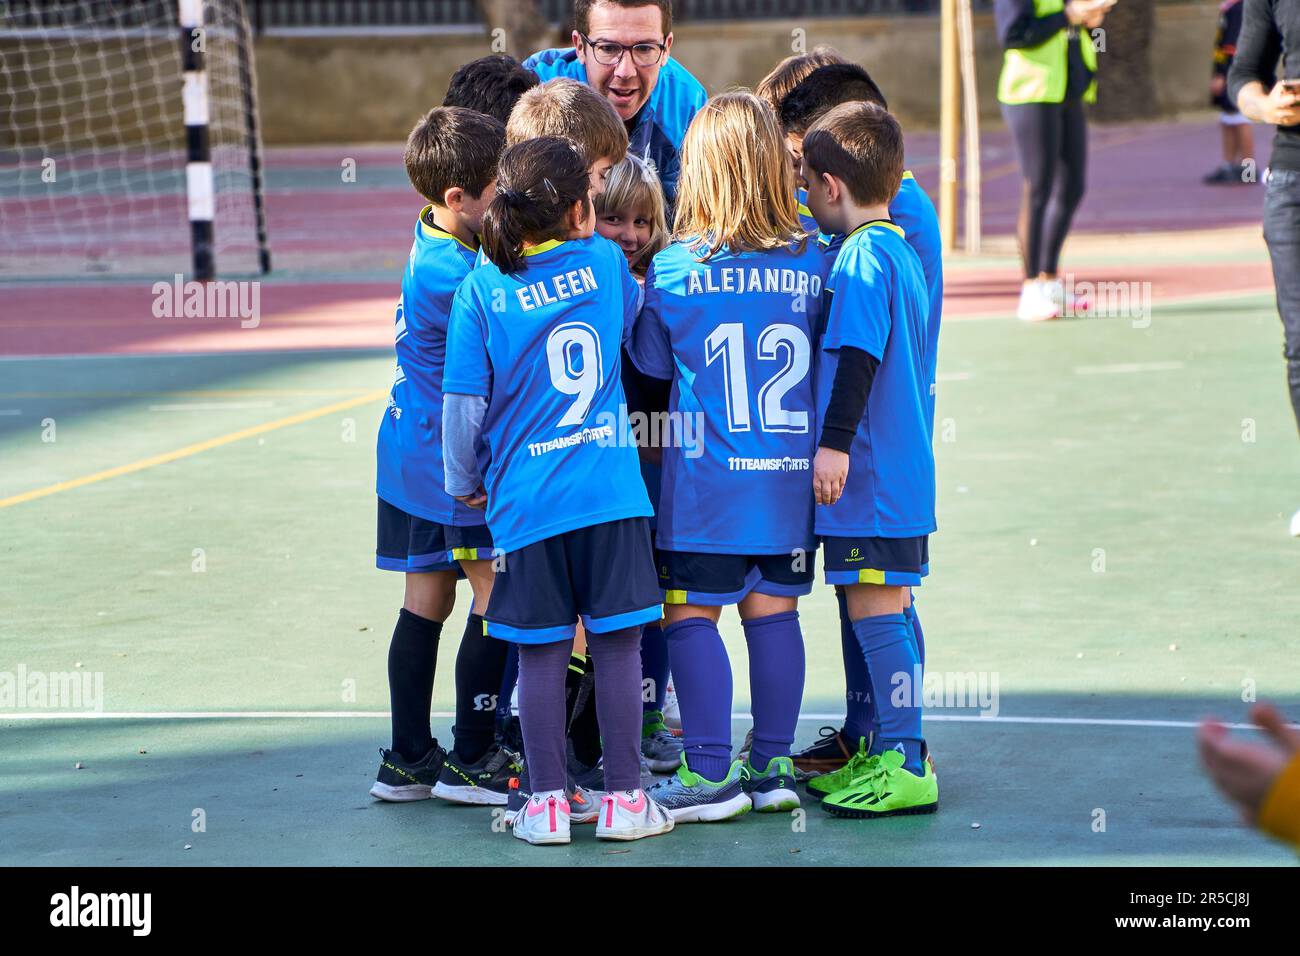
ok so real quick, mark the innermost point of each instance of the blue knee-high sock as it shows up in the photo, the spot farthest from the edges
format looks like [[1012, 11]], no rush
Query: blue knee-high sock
[[776, 673], [860, 718], [918, 636], [891, 656], [654, 667], [702, 678]]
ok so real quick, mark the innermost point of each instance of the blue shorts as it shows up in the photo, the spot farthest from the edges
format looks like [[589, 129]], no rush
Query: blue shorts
[[892, 561], [713, 580], [417, 545], [604, 574]]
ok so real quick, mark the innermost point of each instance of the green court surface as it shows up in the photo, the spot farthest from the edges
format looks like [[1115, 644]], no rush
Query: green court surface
[[1113, 557]]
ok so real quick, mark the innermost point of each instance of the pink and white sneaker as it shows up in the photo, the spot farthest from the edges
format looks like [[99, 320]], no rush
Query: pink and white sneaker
[[544, 819], [631, 815]]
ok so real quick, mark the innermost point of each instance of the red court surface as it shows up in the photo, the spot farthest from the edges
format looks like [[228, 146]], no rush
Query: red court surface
[[1143, 179]]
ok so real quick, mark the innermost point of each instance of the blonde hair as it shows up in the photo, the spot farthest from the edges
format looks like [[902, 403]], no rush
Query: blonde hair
[[573, 110], [736, 187], [792, 71], [633, 184]]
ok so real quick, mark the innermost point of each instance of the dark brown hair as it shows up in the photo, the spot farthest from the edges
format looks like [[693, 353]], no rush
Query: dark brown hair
[[538, 182], [452, 147], [861, 144], [582, 12], [792, 71], [824, 88]]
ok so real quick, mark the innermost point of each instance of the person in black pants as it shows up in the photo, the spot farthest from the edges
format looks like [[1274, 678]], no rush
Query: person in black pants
[[1048, 73], [1271, 28]]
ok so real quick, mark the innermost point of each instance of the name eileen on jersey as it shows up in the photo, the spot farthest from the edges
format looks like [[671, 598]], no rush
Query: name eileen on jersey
[[566, 285], [742, 279]]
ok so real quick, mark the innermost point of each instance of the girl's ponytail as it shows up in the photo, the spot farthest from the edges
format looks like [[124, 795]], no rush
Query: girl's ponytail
[[538, 182]]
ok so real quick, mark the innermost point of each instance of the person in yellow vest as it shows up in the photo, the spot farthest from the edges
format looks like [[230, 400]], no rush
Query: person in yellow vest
[[1048, 72], [1261, 779]]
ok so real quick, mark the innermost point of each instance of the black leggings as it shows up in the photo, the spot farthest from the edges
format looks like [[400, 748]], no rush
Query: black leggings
[[1052, 146]]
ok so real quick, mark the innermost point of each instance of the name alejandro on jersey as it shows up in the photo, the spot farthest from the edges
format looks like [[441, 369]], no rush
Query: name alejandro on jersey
[[741, 279]]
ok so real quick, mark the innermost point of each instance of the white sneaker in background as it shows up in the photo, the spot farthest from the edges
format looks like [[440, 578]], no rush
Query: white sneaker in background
[[1037, 303], [544, 819], [631, 815], [1295, 525], [672, 713]]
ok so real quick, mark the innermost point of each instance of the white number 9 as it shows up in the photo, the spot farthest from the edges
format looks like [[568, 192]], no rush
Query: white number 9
[[573, 356]]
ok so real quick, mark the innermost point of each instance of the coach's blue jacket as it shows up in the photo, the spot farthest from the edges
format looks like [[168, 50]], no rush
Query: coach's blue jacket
[[658, 129]]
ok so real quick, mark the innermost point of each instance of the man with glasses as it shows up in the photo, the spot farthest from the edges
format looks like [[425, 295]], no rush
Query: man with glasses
[[621, 49]]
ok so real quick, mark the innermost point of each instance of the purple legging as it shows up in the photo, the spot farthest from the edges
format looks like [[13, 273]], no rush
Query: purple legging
[[542, 667]]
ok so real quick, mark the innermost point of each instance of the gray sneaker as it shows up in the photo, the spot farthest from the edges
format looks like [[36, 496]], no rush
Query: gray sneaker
[[689, 798], [659, 748], [593, 778]]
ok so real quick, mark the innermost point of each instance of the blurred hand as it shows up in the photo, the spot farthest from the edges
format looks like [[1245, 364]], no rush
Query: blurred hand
[[1218, 83], [1244, 771], [477, 501], [1281, 107], [830, 471], [1087, 13]]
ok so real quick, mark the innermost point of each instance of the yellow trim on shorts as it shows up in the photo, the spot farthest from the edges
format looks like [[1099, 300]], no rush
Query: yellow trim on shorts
[[675, 597], [870, 576]]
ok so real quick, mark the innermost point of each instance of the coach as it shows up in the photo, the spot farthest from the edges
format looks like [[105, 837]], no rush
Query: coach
[[621, 49], [1270, 28]]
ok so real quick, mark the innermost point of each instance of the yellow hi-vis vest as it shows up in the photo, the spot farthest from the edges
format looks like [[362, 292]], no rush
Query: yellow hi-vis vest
[[1038, 74]]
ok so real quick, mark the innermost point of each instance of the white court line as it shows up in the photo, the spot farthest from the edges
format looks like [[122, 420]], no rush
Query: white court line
[[446, 714], [1123, 368], [208, 406], [11, 411], [955, 376]]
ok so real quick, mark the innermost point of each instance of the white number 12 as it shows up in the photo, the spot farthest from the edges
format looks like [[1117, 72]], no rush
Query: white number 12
[[727, 342]]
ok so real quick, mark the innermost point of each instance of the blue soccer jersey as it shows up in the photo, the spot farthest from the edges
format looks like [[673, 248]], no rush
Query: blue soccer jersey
[[736, 336], [409, 470], [878, 303], [913, 211], [543, 345]]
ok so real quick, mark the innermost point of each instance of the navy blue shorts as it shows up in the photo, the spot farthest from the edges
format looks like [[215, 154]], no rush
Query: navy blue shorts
[[893, 561], [714, 580], [604, 574], [417, 545]]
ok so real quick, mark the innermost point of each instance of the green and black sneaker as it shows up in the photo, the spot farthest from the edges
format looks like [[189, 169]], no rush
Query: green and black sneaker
[[400, 782], [485, 782], [885, 789]]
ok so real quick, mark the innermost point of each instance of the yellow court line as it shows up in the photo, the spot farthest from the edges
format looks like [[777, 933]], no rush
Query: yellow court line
[[188, 450]]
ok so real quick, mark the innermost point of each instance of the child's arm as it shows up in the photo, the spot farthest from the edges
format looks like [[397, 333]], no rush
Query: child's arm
[[467, 387], [849, 393], [462, 431]]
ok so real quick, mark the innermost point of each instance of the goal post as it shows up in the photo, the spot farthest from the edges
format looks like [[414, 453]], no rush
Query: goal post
[[123, 151]]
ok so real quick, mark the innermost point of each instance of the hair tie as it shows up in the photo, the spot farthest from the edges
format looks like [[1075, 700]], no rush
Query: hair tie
[[510, 196]]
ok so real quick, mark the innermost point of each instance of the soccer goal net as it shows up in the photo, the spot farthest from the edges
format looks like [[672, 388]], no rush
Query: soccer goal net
[[129, 142]]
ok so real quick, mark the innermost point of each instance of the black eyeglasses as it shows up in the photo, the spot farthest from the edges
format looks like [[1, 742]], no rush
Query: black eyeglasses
[[609, 53]]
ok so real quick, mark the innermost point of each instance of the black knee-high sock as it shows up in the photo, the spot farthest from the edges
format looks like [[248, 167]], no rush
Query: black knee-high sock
[[480, 662], [584, 725], [412, 658]]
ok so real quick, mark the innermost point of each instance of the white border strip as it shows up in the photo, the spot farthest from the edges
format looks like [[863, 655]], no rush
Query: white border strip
[[447, 714]]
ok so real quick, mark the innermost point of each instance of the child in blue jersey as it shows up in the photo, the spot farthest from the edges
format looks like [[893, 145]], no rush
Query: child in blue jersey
[[910, 209], [533, 375], [630, 213], [873, 476], [731, 313], [451, 158]]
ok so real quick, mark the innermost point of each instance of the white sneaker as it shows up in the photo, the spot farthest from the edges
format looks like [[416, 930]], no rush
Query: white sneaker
[[631, 815], [1295, 525], [1037, 303], [672, 713], [544, 819]]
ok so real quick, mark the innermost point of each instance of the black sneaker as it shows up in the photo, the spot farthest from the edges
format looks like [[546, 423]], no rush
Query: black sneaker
[[399, 781], [485, 782], [831, 751], [511, 734], [1222, 175]]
